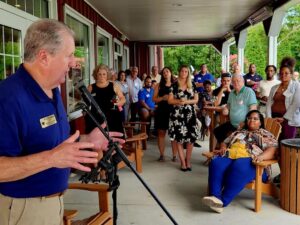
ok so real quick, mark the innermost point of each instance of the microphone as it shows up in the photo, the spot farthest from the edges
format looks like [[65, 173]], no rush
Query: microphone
[[89, 99]]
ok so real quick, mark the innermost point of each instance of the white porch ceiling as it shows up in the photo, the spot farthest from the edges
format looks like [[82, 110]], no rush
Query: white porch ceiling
[[175, 20]]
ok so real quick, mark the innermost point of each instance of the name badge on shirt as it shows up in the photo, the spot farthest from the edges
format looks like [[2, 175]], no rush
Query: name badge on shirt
[[240, 102], [48, 121]]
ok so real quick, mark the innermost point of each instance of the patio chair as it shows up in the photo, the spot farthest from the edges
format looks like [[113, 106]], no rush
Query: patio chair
[[257, 185], [103, 217]]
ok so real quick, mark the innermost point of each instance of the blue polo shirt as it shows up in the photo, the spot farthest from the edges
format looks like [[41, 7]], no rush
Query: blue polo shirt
[[199, 78], [31, 122], [146, 96], [256, 78], [239, 104]]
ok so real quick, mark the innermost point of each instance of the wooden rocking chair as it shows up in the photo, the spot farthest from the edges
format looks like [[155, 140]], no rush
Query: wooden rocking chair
[[135, 143]]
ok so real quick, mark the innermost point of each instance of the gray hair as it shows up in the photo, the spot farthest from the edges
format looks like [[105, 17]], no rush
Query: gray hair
[[44, 34], [237, 76]]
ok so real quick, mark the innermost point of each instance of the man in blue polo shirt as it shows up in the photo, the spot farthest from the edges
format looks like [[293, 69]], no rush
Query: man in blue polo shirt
[[240, 101], [252, 79], [201, 77], [36, 149], [146, 104]]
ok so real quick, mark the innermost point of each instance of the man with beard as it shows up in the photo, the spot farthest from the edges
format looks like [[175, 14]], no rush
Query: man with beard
[[252, 78], [265, 86], [146, 104]]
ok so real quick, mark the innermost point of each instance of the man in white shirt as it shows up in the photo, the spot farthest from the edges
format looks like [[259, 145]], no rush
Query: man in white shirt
[[134, 86], [265, 86], [155, 75]]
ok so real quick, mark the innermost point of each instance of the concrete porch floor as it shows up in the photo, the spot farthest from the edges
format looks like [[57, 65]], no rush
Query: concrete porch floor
[[181, 194]]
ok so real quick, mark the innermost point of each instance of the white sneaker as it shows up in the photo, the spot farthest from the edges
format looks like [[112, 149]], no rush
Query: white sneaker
[[214, 203]]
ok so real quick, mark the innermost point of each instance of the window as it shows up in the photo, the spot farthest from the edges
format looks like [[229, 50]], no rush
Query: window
[[10, 50], [104, 47], [126, 58], [38, 8], [118, 54], [83, 53], [14, 21]]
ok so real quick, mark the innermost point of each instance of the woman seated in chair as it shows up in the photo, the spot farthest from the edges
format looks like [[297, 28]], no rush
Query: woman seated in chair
[[233, 167]]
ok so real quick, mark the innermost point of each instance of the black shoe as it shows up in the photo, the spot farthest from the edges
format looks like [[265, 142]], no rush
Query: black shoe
[[183, 169], [189, 168], [197, 145]]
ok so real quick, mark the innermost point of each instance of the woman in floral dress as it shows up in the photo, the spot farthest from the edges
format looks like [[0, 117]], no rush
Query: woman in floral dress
[[183, 127]]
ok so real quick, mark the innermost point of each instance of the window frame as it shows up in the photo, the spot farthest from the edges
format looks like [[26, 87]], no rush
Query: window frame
[[125, 52], [103, 32], [69, 11], [117, 54]]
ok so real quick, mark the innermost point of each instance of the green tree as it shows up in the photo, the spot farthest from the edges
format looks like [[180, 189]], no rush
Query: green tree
[[256, 49], [194, 56], [289, 37]]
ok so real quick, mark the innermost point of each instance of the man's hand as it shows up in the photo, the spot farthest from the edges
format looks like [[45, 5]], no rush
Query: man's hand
[[265, 98], [225, 111], [99, 140], [71, 154], [251, 82]]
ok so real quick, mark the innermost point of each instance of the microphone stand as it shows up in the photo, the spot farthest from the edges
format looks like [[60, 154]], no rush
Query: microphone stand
[[109, 159]]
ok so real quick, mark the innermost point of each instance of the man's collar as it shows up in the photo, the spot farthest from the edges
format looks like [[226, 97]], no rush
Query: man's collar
[[34, 87], [241, 91]]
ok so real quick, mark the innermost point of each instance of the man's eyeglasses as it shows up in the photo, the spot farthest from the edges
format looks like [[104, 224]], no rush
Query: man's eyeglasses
[[252, 118]]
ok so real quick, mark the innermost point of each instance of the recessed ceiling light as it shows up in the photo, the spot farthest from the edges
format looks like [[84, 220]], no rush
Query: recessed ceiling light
[[177, 4]]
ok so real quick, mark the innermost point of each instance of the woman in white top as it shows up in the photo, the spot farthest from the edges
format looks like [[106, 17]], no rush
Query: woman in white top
[[124, 87], [284, 101]]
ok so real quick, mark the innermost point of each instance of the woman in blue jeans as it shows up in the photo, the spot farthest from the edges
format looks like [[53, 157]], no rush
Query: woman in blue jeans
[[232, 169]]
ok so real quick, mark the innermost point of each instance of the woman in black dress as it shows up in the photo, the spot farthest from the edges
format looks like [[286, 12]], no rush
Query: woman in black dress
[[183, 127], [109, 97], [162, 113]]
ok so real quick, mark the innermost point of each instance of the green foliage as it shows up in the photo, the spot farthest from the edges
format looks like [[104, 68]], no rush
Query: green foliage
[[256, 49], [194, 56], [289, 37]]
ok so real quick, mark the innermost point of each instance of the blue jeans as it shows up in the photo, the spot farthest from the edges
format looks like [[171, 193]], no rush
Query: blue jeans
[[228, 177]]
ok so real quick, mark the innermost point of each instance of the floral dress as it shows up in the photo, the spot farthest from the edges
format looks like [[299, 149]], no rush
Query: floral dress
[[183, 126]]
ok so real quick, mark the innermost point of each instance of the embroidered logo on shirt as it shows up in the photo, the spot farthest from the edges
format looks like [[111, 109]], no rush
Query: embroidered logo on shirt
[[48, 121]]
